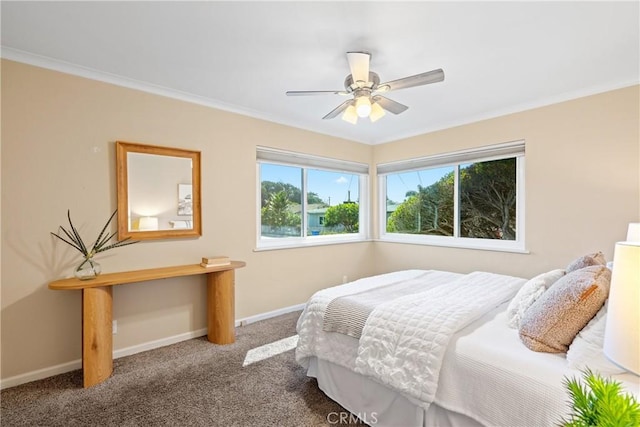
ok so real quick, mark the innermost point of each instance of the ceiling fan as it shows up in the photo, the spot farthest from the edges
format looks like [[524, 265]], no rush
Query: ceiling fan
[[365, 87]]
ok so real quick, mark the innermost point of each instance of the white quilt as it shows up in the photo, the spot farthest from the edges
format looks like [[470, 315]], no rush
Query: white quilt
[[404, 340], [314, 341]]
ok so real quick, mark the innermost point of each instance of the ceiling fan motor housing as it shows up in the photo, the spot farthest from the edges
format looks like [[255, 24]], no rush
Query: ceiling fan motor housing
[[372, 84]]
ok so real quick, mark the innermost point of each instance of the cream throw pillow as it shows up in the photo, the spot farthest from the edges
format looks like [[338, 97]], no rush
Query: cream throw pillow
[[528, 294], [554, 320]]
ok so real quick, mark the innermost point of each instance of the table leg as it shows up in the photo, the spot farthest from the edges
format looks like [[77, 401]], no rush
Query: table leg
[[221, 307], [97, 339]]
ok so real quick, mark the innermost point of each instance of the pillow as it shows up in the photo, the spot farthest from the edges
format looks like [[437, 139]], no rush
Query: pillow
[[528, 294], [587, 261], [553, 321], [586, 349]]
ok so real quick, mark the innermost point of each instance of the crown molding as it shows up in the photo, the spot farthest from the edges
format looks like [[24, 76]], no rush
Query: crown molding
[[544, 102], [93, 74], [101, 76]]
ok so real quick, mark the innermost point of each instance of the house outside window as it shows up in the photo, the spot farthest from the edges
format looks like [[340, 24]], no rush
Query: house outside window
[[472, 199], [307, 200]]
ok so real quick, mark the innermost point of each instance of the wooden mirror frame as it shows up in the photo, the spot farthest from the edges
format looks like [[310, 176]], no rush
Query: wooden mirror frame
[[122, 149]]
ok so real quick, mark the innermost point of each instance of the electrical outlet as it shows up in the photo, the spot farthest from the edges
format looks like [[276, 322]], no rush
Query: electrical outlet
[[345, 279], [115, 327]]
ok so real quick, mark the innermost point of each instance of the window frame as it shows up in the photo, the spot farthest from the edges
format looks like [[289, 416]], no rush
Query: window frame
[[304, 162], [515, 149]]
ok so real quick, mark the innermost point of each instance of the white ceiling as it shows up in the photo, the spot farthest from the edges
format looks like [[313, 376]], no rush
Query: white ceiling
[[498, 57]]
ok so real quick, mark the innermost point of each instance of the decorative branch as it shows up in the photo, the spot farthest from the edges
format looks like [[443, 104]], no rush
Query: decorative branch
[[74, 239]]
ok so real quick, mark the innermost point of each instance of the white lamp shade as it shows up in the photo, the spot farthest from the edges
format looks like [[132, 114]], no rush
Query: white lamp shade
[[622, 332], [148, 223], [350, 115], [376, 112], [633, 232]]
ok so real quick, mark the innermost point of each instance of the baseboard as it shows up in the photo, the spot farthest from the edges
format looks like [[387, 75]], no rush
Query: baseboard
[[40, 374], [128, 351], [251, 319], [150, 345]]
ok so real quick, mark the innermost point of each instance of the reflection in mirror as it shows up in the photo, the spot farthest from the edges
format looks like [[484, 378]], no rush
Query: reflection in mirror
[[155, 183], [158, 191]]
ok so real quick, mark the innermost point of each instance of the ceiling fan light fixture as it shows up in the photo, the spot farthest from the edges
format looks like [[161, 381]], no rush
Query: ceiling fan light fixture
[[363, 106], [350, 115], [377, 112], [365, 87]]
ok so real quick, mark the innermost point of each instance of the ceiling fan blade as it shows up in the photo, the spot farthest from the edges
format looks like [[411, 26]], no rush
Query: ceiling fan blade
[[315, 92], [359, 65], [339, 109], [417, 80], [390, 105]]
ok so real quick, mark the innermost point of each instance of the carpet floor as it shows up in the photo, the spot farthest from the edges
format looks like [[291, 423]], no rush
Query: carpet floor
[[191, 383]]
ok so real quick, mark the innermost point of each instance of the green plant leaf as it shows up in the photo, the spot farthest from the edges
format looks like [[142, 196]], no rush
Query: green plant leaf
[[74, 239], [98, 242], [600, 402], [104, 241], [66, 241], [117, 244], [77, 235]]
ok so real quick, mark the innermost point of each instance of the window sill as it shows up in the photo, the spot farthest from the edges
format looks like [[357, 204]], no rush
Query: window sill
[[459, 243], [296, 243]]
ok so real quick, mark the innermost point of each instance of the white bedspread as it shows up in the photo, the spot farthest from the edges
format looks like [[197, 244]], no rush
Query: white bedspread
[[314, 341], [404, 340], [489, 375]]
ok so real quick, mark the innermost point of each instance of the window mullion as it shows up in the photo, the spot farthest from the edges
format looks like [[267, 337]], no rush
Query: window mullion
[[520, 200], [456, 201], [303, 202], [382, 212]]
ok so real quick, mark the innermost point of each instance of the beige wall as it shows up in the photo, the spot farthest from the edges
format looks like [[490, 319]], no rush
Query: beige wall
[[58, 134], [58, 153], [582, 183]]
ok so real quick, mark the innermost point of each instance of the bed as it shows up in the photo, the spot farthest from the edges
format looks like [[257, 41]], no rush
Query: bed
[[476, 369]]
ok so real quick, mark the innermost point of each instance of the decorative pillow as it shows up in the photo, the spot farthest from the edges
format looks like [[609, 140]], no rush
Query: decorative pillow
[[528, 294], [586, 349], [554, 320], [587, 261]]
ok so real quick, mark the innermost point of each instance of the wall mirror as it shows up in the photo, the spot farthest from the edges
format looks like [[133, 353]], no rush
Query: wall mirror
[[158, 192]]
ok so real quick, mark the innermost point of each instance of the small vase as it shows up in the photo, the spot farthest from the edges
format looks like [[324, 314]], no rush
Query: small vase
[[88, 269]]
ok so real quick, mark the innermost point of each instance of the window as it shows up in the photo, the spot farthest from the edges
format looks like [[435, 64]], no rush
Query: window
[[471, 199], [307, 200]]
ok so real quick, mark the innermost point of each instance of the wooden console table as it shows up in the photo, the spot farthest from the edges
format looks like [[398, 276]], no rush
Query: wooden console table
[[97, 302]]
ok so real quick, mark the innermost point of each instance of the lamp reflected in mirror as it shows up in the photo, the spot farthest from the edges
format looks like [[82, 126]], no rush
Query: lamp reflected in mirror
[[147, 223]]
